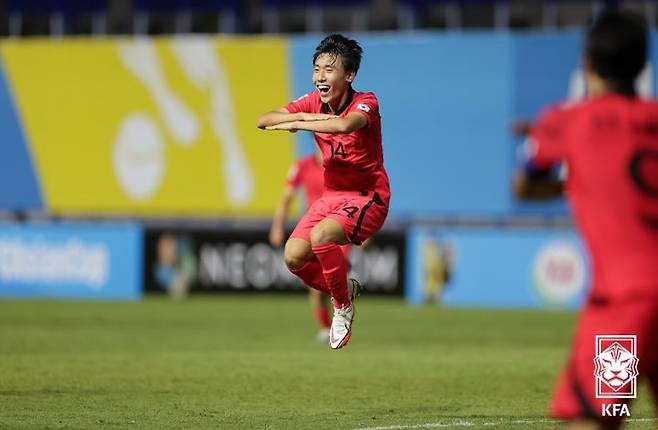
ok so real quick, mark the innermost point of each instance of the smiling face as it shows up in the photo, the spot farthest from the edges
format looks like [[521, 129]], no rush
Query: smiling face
[[331, 79]]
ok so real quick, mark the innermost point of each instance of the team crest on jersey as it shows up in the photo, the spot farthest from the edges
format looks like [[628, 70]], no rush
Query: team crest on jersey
[[615, 366], [363, 107]]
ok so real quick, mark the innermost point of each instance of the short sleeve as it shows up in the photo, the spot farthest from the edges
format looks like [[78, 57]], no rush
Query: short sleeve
[[294, 177], [368, 105], [546, 144], [302, 104]]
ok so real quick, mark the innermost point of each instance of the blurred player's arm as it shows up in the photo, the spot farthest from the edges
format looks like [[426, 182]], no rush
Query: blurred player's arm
[[281, 116], [277, 230], [335, 125], [532, 181]]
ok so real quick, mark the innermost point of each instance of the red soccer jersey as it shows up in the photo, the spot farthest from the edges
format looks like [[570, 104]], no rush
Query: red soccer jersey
[[610, 145], [307, 173], [354, 161]]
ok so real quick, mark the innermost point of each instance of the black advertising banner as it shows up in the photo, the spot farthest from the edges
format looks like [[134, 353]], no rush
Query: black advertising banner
[[179, 261]]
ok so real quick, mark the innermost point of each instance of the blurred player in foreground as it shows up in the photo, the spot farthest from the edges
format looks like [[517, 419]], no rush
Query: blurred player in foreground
[[347, 128], [308, 174], [609, 144]]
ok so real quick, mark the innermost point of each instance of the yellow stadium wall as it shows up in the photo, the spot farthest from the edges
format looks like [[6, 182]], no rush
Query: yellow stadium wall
[[152, 126]]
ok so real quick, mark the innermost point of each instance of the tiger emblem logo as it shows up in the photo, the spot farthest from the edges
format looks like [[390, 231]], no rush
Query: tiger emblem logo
[[615, 366]]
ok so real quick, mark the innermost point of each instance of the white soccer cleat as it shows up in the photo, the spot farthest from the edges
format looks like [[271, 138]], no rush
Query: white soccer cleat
[[341, 324], [341, 327]]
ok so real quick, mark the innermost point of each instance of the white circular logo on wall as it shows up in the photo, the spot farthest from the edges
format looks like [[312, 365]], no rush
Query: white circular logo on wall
[[559, 272], [139, 162]]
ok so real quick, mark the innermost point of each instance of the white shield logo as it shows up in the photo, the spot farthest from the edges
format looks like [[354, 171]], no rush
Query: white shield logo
[[615, 366]]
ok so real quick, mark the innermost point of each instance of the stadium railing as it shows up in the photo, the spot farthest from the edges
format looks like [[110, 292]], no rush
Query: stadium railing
[[59, 17], [227, 12], [409, 12], [59, 13], [314, 13]]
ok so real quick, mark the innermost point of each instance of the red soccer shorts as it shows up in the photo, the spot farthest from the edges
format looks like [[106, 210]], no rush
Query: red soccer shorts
[[575, 393], [360, 214]]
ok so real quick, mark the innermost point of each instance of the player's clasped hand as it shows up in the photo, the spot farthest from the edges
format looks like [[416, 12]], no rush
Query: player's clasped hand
[[316, 116], [289, 126], [292, 126], [277, 236]]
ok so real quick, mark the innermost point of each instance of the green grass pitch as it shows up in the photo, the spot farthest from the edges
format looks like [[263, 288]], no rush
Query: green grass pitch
[[243, 362]]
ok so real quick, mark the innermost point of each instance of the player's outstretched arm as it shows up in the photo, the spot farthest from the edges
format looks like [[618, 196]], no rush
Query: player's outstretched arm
[[336, 125], [282, 115], [276, 117], [531, 182]]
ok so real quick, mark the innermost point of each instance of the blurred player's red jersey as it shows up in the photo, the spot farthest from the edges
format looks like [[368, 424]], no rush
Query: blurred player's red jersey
[[307, 173], [353, 161], [610, 145]]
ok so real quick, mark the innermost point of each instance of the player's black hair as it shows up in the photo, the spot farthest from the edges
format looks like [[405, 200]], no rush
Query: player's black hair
[[616, 48], [338, 45]]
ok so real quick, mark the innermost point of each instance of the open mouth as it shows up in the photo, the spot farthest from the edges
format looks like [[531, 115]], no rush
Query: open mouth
[[324, 89]]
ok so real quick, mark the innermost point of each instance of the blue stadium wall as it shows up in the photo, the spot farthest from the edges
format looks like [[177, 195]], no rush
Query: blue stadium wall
[[71, 261], [494, 267], [447, 101]]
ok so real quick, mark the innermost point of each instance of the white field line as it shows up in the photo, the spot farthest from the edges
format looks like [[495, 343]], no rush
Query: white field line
[[465, 423]]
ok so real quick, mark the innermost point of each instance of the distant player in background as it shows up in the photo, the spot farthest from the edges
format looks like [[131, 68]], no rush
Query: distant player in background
[[347, 128], [174, 268], [437, 266], [609, 144], [308, 174]]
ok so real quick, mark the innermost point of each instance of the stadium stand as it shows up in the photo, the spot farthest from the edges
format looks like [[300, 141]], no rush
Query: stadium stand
[[63, 17], [188, 15], [55, 17]]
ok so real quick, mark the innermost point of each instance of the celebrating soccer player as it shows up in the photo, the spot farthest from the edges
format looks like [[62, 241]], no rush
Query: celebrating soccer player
[[308, 174], [347, 128], [609, 145]]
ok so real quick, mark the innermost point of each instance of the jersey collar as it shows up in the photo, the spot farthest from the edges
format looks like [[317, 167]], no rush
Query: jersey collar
[[350, 95]]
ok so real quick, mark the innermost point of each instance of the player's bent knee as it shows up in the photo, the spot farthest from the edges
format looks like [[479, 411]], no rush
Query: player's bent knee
[[295, 255], [293, 260]]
